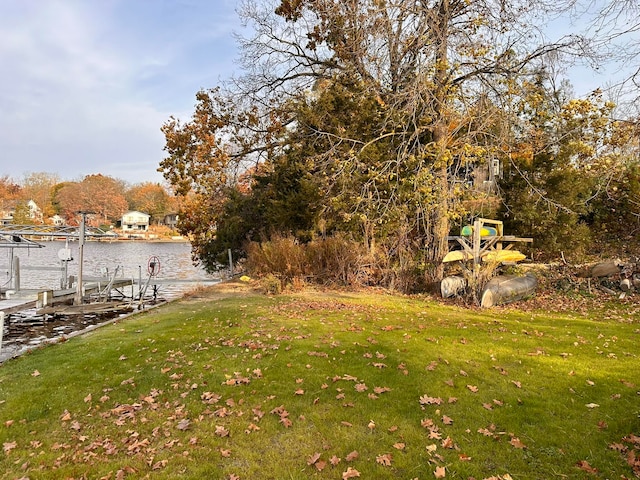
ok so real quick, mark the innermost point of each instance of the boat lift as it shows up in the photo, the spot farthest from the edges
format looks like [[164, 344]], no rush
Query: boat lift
[[19, 236]]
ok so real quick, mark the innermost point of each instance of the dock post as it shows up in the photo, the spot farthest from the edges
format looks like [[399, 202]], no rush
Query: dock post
[[79, 292], [16, 273]]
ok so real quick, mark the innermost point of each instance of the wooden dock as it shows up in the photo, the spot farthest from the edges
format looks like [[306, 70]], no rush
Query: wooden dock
[[28, 299]]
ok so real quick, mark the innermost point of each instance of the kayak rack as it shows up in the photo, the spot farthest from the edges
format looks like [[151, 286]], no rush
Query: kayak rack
[[486, 236]]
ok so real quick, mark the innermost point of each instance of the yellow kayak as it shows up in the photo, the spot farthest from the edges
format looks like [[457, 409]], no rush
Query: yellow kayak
[[503, 256], [507, 256], [457, 255]]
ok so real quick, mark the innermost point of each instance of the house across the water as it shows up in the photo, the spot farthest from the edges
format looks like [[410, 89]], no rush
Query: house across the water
[[135, 221]]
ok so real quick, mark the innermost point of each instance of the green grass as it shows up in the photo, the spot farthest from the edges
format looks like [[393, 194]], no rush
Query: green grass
[[197, 389]]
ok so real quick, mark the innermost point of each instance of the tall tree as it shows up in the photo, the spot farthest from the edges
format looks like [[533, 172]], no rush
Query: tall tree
[[425, 63], [150, 198], [381, 95], [100, 195], [38, 186], [9, 193]]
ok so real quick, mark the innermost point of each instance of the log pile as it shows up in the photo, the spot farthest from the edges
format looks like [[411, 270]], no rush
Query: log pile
[[614, 276]]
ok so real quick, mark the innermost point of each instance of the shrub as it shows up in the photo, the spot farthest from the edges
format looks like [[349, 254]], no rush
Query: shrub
[[328, 261]]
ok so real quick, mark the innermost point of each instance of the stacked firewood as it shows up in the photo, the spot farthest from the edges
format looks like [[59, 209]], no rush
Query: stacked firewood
[[623, 276]]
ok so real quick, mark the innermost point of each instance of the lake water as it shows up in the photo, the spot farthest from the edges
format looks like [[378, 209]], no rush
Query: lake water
[[102, 258], [41, 269]]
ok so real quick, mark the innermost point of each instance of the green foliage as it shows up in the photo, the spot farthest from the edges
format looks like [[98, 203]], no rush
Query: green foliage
[[552, 181], [22, 214], [381, 126], [615, 214], [553, 219]]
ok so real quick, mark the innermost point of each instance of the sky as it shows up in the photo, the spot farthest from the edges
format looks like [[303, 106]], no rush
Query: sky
[[85, 85]]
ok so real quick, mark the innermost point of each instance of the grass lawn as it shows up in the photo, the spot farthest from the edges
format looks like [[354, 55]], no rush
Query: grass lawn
[[233, 384]]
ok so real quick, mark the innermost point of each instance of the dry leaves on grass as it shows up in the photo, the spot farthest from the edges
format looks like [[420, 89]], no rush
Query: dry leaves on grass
[[350, 473]]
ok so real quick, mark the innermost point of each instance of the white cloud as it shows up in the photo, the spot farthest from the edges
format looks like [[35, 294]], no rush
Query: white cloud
[[87, 85]]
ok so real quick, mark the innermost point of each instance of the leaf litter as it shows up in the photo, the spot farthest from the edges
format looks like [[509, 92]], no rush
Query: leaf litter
[[169, 413]]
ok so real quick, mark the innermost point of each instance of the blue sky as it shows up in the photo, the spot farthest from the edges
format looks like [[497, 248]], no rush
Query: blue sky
[[85, 85]]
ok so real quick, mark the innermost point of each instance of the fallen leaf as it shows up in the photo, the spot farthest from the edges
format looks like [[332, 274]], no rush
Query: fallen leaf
[[183, 424], [399, 446], [592, 405], [35, 373], [473, 388], [225, 453], [427, 400], [384, 460], [159, 465], [516, 443], [8, 446], [87, 399], [584, 465], [313, 458], [350, 473], [352, 456], [447, 420], [440, 472]]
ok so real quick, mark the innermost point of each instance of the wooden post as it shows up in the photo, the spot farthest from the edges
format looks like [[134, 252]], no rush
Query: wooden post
[[16, 273], [230, 264], [79, 293], [1, 328]]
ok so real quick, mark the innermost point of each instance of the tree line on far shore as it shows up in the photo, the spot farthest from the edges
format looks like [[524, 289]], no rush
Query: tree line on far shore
[[107, 199]]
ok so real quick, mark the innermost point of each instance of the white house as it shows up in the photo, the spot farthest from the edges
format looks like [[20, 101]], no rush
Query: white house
[[35, 212], [57, 220], [135, 222]]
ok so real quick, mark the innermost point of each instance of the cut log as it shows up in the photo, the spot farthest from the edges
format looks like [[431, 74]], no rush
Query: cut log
[[625, 285], [506, 289], [606, 269], [452, 286]]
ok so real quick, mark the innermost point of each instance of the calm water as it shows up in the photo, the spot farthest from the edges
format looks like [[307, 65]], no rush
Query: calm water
[[131, 257], [27, 329]]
